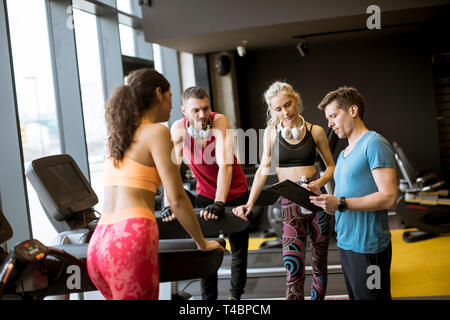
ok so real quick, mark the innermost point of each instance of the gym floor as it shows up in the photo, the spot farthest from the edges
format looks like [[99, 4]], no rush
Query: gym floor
[[266, 276], [419, 271]]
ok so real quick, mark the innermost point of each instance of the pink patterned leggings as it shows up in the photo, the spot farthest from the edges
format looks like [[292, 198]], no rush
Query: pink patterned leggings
[[122, 259], [297, 227]]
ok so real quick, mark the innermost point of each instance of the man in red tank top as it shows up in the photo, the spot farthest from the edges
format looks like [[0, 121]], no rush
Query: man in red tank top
[[204, 139]]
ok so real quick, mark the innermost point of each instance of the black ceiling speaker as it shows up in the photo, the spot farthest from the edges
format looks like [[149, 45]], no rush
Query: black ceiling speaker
[[146, 2], [223, 64]]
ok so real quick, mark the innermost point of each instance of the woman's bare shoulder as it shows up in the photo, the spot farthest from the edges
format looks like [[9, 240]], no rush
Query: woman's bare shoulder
[[153, 132], [316, 129]]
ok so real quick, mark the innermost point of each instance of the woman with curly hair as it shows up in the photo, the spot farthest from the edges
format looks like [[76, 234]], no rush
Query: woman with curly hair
[[122, 258]]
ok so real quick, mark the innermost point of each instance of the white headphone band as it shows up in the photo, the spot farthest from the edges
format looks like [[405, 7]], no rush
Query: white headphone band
[[198, 134], [295, 133]]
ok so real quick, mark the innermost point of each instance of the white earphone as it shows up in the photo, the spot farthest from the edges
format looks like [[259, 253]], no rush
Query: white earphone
[[198, 134], [295, 133]]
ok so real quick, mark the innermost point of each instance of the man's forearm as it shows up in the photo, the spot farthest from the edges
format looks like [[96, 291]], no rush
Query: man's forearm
[[223, 182], [373, 202]]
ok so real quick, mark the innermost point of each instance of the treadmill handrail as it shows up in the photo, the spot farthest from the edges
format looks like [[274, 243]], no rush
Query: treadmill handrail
[[228, 223]]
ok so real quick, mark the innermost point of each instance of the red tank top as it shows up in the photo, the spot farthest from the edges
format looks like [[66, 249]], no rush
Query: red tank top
[[202, 162]]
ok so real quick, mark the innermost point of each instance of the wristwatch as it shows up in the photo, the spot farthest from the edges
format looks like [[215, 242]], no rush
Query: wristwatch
[[342, 206]]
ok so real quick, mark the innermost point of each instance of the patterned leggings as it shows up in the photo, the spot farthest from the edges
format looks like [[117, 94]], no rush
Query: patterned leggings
[[122, 260], [296, 228]]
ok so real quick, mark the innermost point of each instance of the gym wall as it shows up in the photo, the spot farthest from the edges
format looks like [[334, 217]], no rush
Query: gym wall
[[391, 70]]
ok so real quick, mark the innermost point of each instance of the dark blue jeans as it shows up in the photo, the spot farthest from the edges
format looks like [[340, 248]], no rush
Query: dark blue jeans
[[239, 251]]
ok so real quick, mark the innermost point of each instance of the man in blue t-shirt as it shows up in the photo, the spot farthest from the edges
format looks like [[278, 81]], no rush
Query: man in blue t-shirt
[[366, 187]]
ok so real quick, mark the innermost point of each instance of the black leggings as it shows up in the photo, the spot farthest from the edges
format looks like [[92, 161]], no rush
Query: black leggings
[[239, 251]]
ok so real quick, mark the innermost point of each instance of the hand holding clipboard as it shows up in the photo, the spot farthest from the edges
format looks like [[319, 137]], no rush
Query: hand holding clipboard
[[295, 193]]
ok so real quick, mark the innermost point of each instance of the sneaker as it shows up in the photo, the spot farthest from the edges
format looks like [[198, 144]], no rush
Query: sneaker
[[233, 298]]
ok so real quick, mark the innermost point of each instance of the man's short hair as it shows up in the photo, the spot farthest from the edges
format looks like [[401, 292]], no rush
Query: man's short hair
[[345, 98], [193, 92]]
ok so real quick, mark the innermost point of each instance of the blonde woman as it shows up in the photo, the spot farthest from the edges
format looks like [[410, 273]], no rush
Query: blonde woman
[[297, 141]]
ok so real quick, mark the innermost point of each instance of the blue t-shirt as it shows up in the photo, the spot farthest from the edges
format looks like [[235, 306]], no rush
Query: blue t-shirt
[[362, 231]]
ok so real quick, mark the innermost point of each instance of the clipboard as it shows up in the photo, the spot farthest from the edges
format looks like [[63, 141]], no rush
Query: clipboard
[[295, 193]]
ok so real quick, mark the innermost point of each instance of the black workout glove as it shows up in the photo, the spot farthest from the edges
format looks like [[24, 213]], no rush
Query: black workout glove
[[167, 213], [216, 209]]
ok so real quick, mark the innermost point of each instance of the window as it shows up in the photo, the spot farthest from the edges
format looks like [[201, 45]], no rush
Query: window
[[127, 43], [35, 95], [124, 6], [90, 73]]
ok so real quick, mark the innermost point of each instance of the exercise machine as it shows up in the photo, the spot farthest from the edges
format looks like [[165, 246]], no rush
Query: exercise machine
[[67, 199], [423, 203], [32, 270]]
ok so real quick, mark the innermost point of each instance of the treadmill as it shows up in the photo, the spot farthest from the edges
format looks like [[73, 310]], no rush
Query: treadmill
[[68, 200]]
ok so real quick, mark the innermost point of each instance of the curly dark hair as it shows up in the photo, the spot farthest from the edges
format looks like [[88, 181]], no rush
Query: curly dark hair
[[126, 106]]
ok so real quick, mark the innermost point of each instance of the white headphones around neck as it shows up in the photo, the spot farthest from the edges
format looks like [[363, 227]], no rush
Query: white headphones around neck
[[294, 133], [198, 134]]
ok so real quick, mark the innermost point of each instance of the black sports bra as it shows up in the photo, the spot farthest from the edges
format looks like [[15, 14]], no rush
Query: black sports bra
[[297, 155]]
